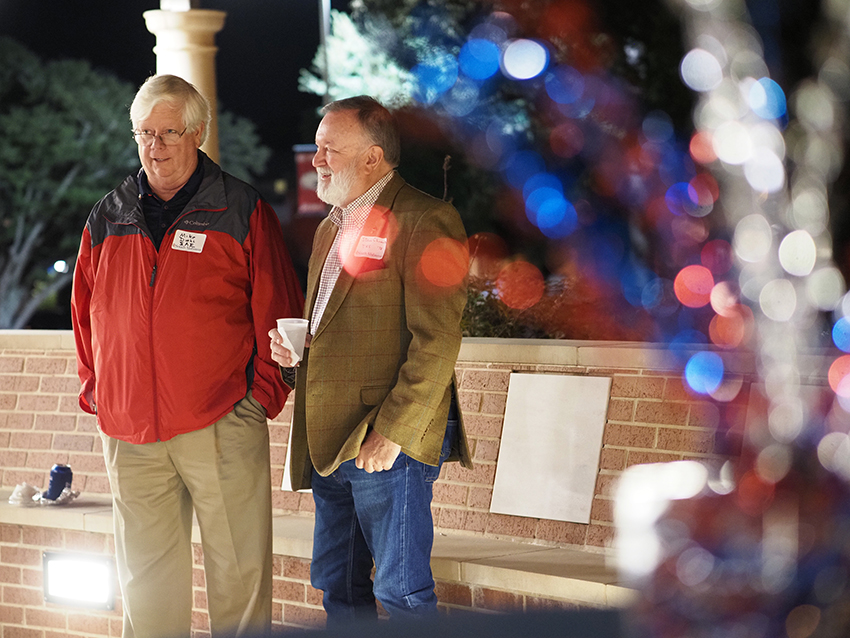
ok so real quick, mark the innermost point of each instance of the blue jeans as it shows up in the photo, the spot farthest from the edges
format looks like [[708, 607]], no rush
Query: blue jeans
[[385, 516]]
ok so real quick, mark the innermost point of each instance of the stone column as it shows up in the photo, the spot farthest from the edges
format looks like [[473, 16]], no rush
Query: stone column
[[185, 46]]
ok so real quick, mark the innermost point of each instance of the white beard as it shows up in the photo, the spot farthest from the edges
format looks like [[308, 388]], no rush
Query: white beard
[[335, 191]]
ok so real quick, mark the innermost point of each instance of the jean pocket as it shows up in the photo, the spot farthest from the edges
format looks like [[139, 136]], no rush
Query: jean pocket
[[431, 472]]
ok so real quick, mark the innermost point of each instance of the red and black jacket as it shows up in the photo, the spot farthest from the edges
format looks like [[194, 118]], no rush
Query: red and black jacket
[[168, 341]]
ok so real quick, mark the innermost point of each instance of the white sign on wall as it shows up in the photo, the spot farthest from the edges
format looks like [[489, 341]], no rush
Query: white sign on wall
[[551, 442]]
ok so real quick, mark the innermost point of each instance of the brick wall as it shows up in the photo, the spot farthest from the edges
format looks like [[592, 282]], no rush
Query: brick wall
[[651, 418]]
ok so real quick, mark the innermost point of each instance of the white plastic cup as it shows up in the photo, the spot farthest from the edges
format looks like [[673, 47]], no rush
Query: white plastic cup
[[294, 333]]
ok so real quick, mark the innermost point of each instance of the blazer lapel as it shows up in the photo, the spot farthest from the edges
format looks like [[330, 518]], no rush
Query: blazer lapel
[[379, 223]]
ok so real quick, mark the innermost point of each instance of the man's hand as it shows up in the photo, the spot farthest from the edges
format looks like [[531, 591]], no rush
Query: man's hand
[[377, 453], [282, 355]]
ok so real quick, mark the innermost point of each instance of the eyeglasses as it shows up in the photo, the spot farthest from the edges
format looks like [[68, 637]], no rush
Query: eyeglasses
[[168, 137]]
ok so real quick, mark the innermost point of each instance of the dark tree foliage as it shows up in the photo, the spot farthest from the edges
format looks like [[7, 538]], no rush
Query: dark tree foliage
[[66, 142]]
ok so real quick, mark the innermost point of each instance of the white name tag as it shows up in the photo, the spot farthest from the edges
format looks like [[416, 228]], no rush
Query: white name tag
[[371, 247], [188, 242]]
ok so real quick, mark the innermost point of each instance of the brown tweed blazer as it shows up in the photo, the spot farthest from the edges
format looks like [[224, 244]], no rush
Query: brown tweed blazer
[[383, 355]]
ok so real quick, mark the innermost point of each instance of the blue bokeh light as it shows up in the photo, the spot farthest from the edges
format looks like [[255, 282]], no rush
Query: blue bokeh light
[[841, 334], [566, 224], [462, 98], [678, 199], [658, 127], [479, 59], [520, 166], [564, 85], [767, 99], [434, 78], [682, 344], [541, 180], [545, 207], [704, 372], [634, 278]]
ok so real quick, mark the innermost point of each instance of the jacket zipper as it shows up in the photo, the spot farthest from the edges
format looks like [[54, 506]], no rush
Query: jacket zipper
[[150, 325], [150, 319], [153, 357]]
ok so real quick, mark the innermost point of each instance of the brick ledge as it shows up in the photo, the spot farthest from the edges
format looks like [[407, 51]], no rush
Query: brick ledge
[[585, 578]]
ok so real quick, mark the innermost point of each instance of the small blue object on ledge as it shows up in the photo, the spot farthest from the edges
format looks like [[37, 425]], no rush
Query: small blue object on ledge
[[60, 478]]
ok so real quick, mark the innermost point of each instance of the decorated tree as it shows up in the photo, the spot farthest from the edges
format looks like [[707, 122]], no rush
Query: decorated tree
[[565, 124]]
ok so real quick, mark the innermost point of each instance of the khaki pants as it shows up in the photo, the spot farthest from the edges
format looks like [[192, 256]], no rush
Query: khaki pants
[[223, 472]]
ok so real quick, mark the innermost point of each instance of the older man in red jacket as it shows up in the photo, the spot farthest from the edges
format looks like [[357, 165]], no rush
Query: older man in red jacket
[[179, 269]]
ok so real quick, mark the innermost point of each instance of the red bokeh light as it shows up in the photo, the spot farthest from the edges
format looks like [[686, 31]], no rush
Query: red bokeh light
[[733, 328], [838, 376], [754, 495], [701, 149], [520, 285], [445, 262], [693, 286], [566, 140], [703, 189], [716, 255], [724, 297]]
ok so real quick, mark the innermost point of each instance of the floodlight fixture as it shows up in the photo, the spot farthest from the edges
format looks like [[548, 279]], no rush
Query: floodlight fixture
[[79, 580]]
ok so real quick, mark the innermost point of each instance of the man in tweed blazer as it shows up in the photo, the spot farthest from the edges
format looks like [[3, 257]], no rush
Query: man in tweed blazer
[[375, 408]]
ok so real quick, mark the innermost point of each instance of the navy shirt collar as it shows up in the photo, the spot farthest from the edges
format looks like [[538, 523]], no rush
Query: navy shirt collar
[[184, 194]]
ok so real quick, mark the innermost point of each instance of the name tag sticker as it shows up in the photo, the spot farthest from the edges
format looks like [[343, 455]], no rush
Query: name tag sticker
[[188, 242], [371, 247]]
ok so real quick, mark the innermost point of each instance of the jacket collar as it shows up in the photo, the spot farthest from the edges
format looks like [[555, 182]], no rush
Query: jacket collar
[[125, 208]]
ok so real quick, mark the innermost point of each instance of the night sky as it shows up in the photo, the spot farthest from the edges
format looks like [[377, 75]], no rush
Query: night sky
[[262, 47]]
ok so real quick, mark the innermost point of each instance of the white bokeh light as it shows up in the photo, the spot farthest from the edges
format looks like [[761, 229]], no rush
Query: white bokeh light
[[824, 288], [732, 143], [778, 300], [809, 210], [798, 253], [834, 453], [764, 171], [524, 59], [700, 70], [753, 238]]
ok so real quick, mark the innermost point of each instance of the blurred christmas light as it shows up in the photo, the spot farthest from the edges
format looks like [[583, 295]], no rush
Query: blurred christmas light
[[716, 255], [767, 99], [521, 166], [658, 127], [732, 143], [824, 288], [764, 171], [520, 285], [798, 253], [702, 148], [435, 77], [733, 328], [445, 262], [700, 70], [566, 140], [841, 334], [753, 238], [693, 286], [778, 300], [564, 84], [479, 58], [524, 59], [838, 377]]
